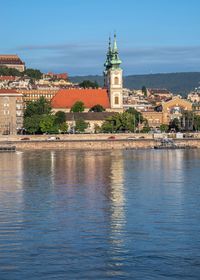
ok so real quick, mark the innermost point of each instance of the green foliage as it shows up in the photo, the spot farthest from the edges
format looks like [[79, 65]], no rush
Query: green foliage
[[175, 125], [5, 71], [107, 126], [145, 129], [187, 121], [60, 117], [164, 128], [97, 108], [33, 73], [32, 124], [81, 125], [88, 84], [97, 128], [197, 123], [144, 90], [47, 124], [63, 127], [120, 122], [138, 118], [39, 107], [78, 107], [175, 82]]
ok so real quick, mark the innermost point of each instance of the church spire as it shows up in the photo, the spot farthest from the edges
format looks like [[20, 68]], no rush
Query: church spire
[[108, 55], [115, 44], [115, 61]]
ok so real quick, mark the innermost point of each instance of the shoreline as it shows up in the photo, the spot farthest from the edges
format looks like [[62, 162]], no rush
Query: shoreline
[[94, 144]]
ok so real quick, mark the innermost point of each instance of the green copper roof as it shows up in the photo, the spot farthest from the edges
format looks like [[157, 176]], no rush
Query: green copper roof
[[112, 56], [115, 60]]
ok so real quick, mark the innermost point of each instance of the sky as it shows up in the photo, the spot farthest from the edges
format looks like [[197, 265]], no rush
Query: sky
[[153, 36]]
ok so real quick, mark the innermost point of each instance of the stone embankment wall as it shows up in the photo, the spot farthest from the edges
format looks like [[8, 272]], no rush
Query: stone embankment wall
[[92, 142]]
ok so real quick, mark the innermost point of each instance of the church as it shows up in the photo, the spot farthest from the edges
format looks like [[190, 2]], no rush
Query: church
[[110, 97]]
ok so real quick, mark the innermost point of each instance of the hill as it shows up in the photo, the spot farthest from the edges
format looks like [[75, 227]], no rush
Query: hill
[[179, 83]]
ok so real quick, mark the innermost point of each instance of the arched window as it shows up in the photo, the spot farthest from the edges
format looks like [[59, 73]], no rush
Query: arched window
[[116, 81], [116, 100]]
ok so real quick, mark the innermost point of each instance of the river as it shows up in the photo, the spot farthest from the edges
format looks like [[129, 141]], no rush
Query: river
[[100, 215]]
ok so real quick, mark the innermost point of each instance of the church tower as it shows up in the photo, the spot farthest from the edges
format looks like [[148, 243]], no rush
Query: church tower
[[113, 77]]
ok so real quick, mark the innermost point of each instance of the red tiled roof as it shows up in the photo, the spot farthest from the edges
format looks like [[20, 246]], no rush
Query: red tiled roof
[[8, 91], [7, 78], [65, 98], [10, 59]]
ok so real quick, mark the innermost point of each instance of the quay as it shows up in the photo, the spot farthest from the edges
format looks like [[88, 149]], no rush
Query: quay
[[94, 142]]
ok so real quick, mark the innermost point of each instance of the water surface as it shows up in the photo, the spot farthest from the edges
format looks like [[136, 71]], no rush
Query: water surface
[[100, 215]]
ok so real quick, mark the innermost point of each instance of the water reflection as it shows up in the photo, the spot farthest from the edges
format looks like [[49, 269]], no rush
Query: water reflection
[[99, 214]]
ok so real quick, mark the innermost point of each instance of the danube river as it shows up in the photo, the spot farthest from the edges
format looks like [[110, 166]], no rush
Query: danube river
[[100, 215]]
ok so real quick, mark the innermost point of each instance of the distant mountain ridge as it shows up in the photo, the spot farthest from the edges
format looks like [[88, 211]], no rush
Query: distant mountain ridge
[[179, 83]]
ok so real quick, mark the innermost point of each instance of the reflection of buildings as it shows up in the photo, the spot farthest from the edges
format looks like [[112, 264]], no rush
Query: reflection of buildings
[[11, 167], [117, 198]]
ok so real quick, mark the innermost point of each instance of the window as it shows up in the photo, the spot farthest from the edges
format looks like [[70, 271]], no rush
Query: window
[[116, 99], [116, 81]]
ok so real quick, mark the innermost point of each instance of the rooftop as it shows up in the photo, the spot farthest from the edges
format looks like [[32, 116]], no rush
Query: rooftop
[[65, 98], [10, 59]]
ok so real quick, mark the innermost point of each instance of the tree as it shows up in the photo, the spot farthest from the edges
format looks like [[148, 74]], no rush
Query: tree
[[144, 90], [39, 107], [32, 124], [78, 107], [5, 71], [81, 125], [175, 125], [120, 122], [60, 117], [137, 116], [33, 73], [88, 84], [47, 124], [63, 127], [97, 108], [187, 121], [164, 127], [107, 127], [196, 123], [146, 129]]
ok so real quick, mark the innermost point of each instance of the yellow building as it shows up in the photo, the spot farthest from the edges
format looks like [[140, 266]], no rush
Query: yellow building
[[34, 95], [167, 111]]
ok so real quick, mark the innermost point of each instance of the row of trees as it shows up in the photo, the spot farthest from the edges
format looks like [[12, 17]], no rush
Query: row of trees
[[80, 107], [39, 119], [31, 73]]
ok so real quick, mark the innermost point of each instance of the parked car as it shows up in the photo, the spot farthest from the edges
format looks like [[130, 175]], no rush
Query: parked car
[[25, 139], [111, 138], [53, 138]]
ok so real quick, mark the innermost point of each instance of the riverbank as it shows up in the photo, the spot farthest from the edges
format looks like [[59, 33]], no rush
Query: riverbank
[[93, 142]]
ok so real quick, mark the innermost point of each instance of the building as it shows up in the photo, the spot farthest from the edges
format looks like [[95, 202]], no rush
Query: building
[[34, 95], [65, 99], [194, 96], [11, 111], [167, 111], [93, 119], [12, 61], [111, 97], [60, 76], [156, 96]]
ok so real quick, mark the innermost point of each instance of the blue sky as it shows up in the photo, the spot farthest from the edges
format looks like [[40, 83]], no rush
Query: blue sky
[[154, 36]]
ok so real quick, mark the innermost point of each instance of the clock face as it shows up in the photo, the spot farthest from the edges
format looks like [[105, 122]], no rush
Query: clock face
[[116, 72]]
